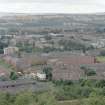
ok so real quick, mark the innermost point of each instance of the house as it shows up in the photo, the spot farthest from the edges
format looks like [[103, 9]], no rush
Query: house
[[29, 76], [41, 76], [100, 43], [10, 50], [42, 44]]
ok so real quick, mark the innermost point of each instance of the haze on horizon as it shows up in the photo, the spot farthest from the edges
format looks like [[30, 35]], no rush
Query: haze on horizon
[[52, 6]]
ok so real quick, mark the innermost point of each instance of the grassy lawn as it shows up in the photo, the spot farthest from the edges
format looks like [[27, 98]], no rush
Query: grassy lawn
[[101, 58]]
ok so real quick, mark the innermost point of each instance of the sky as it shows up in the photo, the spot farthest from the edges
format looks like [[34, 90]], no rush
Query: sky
[[52, 6]]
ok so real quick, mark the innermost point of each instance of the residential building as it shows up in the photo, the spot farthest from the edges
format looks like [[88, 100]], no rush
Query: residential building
[[10, 50], [68, 68], [41, 76]]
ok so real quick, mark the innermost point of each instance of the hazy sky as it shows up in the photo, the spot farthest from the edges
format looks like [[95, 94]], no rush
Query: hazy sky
[[52, 6]]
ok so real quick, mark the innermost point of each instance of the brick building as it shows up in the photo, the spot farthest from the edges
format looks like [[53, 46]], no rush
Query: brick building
[[68, 68]]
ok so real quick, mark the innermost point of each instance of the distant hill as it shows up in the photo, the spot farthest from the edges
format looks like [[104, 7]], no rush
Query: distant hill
[[35, 23]]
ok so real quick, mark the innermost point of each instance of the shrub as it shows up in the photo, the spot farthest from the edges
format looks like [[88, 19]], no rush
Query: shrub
[[48, 72], [88, 71], [94, 101], [100, 83], [13, 76]]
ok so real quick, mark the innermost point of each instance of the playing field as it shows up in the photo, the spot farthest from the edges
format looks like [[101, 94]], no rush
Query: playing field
[[100, 58]]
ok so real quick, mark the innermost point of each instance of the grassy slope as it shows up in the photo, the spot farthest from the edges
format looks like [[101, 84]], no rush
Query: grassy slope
[[101, 58]]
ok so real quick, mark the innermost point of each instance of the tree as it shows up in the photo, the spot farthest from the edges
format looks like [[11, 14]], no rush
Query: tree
[[88, 71], [94, 101], [13, 75], [48, 72], [100, 83], [47, 98], [30, 98], [25, 98], [4, 99]]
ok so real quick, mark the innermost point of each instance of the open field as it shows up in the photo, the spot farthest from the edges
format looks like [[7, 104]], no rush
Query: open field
[[100, 58]]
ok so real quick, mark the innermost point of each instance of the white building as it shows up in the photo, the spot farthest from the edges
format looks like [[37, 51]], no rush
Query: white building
[[29, 76], [10, 50], [41, 76], [100, 43]]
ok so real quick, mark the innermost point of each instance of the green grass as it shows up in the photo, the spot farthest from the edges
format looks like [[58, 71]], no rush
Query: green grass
[[37, 50], [100, 58], [83, 101]]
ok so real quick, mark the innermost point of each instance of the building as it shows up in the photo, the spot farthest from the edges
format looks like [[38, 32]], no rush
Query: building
[[41, 76], [67, 72], [29, 76], [68, 68], [73, 60], [17, 63], [24, 63], [10, 50], [100, 43]]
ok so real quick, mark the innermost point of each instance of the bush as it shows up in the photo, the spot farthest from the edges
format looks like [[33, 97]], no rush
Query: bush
[[94, 101], [100, 83], [86, 82], [48, 72], [88, 71], [91, 72], [13, 76], [28, 98]]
